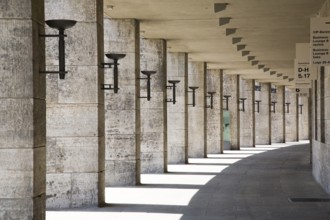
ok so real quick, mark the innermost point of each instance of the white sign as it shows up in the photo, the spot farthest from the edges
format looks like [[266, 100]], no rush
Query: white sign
[[304, 72], [320, 41], [302, 92]]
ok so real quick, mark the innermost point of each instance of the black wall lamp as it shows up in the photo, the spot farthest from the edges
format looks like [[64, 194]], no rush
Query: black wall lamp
[[226, 98], [273, 90], [193, 88], [287, 107], [273, 107], [258, 105], [115, 57], [173, 86], [61, 25], [211, 94], [242, 100], [300, 109], [148, 74], [257, 88]]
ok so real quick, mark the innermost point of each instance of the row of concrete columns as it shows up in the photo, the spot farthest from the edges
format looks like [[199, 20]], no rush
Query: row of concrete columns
[[96, 138]]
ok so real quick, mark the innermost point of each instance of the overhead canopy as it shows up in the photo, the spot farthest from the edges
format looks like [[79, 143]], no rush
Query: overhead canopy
[[228, 35]]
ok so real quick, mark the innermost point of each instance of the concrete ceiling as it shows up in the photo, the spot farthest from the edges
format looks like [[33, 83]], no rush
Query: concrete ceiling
[[267, 29]]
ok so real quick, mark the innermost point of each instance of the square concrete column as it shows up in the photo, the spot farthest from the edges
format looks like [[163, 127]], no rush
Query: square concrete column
[[177, 64], [121, 109], [75, 108], [153, 112], [278, 117], [196, 117], [291, 118], [303, 116], [263, 117], [22, 111], [246, 116], [214, 119], [231, 88]]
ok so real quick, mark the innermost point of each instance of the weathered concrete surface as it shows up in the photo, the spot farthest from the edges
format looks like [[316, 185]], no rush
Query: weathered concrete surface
[[22, 111], [231, 87], [75, 108], [153, 112], [278, 116], [176, 129], [246, 117], [321, 125], [214, 119], [196, 123], [291, 125], [262, 119], [122, 36], [303, 118]]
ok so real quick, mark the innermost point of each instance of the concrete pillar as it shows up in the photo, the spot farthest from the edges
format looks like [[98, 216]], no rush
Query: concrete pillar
[[231, 87], [153, 112], [303, 116], [176, 129], [214, 119], [22, 111], [246, 117], [291, 123], [122, 117], [277, 117], [263, 117], [75, 108], [196, 123]]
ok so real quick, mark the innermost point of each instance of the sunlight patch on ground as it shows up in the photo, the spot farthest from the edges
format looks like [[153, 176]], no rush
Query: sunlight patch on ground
[[176, 179], [236, 156], [70, 215], [192, 168], [149, 196], [213, 160]]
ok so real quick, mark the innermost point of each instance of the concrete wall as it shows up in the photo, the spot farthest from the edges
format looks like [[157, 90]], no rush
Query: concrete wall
[[246, 117], [75, 108], [291, 118], [121, 112], [231, 87], [278, 116], [196, 123], [262, 118], [214, 119], [22, 111], [153, 112], [176, 129], [321, 137]]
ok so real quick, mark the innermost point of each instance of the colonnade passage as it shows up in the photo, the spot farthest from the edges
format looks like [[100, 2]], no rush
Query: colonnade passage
[[171, 110]]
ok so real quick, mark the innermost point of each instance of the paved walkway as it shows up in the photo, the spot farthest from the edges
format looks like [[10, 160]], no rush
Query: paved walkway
[[253, 183]]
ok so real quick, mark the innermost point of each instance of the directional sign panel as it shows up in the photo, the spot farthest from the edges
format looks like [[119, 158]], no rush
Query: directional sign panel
[[320, 41]]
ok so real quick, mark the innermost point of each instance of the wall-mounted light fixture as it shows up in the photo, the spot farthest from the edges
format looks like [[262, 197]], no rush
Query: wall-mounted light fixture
[[193, 88], [173, 86], [211, 94], [258, 105], [287, 105], [226, 98], [115, 57], [273, 107], [148, 74], [60, 25], [242, 100], [300, 108]]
